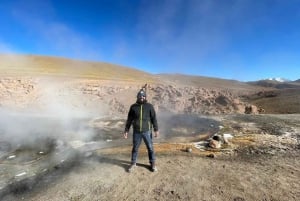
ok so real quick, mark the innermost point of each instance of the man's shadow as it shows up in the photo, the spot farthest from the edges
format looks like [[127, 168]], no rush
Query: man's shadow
[[122, 163]]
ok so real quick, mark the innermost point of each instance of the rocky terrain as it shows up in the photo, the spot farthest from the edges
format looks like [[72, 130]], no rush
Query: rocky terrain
[[114, 97], [62, 120]]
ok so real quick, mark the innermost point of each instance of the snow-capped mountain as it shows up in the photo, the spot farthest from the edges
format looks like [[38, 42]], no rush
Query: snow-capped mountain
[[279, 83], [279, 79]]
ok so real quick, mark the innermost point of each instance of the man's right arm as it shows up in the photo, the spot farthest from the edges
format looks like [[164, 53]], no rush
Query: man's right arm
[[128, 122]]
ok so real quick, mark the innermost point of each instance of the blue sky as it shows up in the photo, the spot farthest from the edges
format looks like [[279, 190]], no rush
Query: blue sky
[[244, 40]]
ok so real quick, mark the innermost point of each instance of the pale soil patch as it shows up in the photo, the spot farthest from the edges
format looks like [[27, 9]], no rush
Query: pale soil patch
[[181, 176]]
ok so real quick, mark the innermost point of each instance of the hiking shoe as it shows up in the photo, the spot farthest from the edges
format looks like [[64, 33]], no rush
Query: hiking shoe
[[153, 167], [131, 167]]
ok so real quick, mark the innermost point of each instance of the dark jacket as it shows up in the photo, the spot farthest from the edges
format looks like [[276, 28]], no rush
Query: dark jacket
[[142, 116]]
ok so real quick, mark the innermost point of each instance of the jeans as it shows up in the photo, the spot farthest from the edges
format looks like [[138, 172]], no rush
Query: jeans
[[137, 139]]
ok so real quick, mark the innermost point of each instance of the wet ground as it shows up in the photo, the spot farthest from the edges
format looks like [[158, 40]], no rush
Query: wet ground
[[32, 147]]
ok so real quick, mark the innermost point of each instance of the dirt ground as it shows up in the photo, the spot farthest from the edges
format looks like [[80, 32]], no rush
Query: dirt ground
[[256, 165], [181, 176]]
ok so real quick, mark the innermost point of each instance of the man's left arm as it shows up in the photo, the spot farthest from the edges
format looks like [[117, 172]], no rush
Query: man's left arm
[[154, 121]]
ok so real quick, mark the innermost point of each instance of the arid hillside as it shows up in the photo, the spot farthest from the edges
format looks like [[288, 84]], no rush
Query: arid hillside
[[279, 98], [39, 83]]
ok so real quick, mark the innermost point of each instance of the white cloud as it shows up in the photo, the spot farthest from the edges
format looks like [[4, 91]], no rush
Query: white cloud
[[40, 20]]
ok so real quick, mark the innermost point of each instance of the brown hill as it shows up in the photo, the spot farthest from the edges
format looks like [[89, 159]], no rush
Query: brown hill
[[283, 101], [279, 98], [276, 84], [32, 65], [29, 81]]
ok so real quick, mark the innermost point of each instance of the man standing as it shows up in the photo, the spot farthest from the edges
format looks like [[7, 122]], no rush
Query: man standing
[[142, 116]]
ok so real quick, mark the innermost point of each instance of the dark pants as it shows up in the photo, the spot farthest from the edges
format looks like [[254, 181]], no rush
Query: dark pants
[[137, 139]]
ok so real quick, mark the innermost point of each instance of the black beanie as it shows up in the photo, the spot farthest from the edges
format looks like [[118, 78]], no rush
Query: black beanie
[[141, 93]]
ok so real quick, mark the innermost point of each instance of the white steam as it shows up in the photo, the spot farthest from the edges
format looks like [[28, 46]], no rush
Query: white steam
[[58, 115]]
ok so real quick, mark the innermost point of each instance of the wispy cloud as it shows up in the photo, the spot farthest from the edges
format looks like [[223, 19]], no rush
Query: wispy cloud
[[183, 30], [39, 18], [6, 48], [200, 34], [69, 42]]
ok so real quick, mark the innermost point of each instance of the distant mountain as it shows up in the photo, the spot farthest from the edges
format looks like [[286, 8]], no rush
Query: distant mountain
[[276, 83], [36, 65], [297, 81], [279, 79]]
